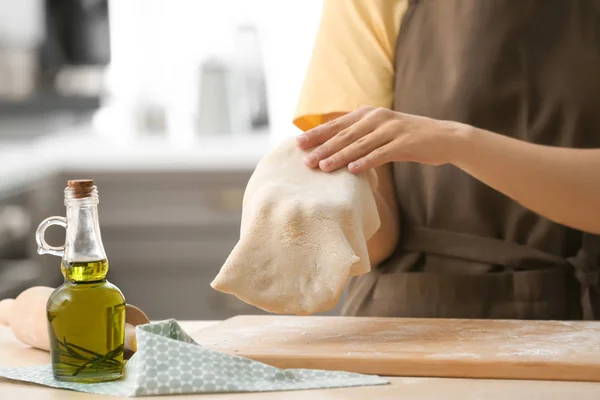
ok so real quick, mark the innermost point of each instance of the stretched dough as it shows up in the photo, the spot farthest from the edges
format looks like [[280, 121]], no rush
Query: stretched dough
[[303, 234]]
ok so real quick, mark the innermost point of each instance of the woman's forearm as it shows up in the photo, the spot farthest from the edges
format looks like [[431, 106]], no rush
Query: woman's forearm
[[561, 184]]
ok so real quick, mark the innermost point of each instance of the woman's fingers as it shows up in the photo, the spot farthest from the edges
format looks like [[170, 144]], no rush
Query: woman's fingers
[[322, 133], [381, 155], [367, 144], [326, 131], [352, 134]]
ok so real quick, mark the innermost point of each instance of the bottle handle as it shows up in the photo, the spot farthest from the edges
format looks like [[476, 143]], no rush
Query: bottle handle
[[43, 247]]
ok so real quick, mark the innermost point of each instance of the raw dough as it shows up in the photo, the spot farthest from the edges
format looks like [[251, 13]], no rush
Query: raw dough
[[303, 235]]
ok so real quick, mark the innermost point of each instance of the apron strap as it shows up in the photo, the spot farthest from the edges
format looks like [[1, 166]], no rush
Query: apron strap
[[514, 256], [477, 248]]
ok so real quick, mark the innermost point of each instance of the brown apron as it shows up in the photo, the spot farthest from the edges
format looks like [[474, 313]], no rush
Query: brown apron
[[528, 69]]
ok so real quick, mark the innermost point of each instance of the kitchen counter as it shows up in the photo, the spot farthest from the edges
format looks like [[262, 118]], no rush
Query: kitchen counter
[[82, 147], [13, 353]]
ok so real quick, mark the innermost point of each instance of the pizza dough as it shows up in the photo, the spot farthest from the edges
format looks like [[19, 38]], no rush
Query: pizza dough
[[303, 234]]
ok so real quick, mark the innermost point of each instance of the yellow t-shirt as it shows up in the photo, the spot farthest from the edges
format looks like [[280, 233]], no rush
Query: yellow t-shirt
[[352, 63]]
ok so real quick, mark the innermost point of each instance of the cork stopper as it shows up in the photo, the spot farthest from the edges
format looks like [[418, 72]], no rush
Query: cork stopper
[[81, 188]]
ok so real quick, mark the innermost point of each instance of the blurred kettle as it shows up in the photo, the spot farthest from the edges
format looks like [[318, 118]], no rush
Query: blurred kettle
[[223, 102], [232, 96]]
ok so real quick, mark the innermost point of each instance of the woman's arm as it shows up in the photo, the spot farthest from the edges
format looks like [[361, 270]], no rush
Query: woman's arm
[[559, 183], [338, 80]]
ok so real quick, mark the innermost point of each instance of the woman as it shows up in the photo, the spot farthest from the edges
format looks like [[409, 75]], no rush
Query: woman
[[463, 232]]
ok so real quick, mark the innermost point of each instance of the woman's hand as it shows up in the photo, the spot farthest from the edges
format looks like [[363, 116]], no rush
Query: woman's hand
[[370, 137]]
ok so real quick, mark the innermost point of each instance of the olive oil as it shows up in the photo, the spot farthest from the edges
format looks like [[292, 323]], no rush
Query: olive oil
[[86, 314], [90, 271], [86, 318]]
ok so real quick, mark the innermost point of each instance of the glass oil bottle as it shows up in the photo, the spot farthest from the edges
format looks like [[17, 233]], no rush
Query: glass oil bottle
[[86, 314]]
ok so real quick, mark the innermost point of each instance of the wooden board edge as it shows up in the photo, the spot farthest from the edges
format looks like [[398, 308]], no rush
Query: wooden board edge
[[466, 369]]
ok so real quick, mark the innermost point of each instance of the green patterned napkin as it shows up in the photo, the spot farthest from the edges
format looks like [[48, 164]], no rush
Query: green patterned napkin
[[168, 361]]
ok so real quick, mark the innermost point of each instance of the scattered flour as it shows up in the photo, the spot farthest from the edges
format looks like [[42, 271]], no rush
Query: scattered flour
[[451, 356], [510, 341], [408, 381], [531, 352]]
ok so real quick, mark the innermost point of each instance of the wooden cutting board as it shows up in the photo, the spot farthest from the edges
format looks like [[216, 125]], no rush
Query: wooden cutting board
[[548, 350]]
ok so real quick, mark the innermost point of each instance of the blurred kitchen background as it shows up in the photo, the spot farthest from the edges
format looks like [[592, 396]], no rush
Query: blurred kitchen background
[[168, 105]]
